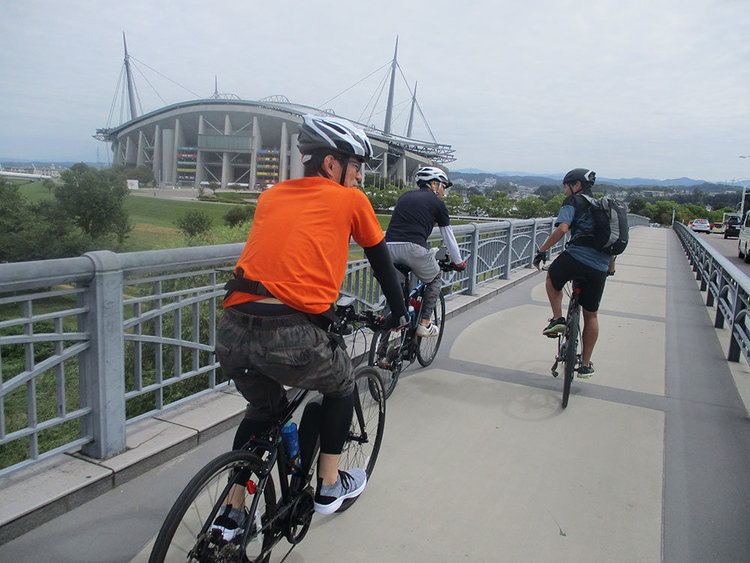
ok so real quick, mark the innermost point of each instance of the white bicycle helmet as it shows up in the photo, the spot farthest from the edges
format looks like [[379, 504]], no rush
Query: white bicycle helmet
[[335, 134], [427, 174]]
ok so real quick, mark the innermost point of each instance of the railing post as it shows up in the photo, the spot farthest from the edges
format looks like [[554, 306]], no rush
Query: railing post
[[473, 260], [102, 364], [738, 307], [509, 256]]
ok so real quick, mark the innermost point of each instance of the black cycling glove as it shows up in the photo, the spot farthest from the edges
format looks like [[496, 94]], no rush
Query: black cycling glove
[[540, 257]]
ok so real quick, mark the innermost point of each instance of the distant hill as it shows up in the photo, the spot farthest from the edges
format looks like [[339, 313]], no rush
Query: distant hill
[[44, 163], [471, 176]]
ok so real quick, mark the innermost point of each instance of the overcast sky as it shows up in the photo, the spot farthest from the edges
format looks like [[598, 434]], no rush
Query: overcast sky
[[652, 88]]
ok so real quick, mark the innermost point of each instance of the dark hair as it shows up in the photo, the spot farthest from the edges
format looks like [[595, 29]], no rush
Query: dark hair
[[314, 165]]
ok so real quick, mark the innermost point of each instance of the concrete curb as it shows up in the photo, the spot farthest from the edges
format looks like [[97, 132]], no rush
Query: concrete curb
[[33, 496]]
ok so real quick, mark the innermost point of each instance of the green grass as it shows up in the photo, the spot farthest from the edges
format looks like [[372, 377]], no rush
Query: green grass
[[33, 191], [164, 212], [153, 219]]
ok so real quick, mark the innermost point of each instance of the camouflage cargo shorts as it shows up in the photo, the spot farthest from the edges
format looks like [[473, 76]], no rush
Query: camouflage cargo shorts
[[263, 353]]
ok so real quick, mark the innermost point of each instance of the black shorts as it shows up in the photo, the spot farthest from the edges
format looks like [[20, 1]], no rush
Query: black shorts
[[565, 268]]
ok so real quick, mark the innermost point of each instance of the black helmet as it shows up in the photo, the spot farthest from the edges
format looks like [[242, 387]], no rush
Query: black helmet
[[584, 175], [334, 134]]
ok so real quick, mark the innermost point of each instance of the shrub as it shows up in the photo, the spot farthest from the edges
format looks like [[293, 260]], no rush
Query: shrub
[[236, 215], [194, 224]]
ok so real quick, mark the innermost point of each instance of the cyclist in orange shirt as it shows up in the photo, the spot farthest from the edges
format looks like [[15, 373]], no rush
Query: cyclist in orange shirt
[[278, 307]]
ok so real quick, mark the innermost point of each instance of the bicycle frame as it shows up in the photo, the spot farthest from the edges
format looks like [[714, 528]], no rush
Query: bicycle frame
[[571, 337]]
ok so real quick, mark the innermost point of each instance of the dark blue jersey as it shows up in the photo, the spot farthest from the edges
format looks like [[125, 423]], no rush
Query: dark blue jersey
[[414, 217]]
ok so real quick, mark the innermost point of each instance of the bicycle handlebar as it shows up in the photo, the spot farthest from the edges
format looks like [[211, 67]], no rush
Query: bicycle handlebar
[[347, 315], [447, 266]]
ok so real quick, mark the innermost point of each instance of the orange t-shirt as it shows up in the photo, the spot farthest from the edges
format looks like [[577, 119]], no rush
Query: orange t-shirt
[[298, 245]]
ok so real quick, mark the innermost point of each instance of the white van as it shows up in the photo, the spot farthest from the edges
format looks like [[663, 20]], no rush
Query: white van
[[744, 242]]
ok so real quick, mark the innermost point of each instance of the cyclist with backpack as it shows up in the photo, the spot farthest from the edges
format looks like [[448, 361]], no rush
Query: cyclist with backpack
[[279, 305], [415, 215], [583, 260]]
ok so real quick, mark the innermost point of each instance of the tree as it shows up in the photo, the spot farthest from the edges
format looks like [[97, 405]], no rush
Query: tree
[[143, 174], [547, 192], [478, 205], [195, 225], [637, 205], [529, 207], [49, 184], [500, 205], [385, 198], [553, 205], [455, 203], [36, 232], [93, 199]]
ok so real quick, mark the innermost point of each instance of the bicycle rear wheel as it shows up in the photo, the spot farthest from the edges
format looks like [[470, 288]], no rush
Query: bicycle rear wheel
[[427, 347], [186, 534], [368, 423], [570, 356], [384, 354]]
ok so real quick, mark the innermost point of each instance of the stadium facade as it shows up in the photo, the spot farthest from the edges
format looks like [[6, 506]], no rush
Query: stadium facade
[[248, 144]]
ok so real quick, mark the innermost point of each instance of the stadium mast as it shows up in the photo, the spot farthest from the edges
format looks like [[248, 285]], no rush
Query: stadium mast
[[389, 107], [131, 87], [411, 114]]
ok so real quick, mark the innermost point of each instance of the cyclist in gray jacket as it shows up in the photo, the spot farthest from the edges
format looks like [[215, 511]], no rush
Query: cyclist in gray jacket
[[413, 219]]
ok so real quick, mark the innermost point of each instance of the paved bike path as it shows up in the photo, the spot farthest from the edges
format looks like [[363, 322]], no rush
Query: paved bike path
[[479, 462]]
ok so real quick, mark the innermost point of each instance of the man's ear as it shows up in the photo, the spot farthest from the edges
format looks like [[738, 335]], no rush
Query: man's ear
[[329, 166]]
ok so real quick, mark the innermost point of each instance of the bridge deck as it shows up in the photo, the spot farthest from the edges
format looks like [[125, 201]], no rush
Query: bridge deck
[[649, 461]]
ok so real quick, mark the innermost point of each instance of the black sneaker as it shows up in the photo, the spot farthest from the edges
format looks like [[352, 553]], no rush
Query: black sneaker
[[584, 372], [230, 522], [555, 327], [350, 484]]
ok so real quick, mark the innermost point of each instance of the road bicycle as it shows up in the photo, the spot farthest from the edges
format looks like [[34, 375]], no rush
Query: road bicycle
[[389, 351], [569, 341], [246, 475]]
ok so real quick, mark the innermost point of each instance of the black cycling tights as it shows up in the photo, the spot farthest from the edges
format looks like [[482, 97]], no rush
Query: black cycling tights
[[335, 418]]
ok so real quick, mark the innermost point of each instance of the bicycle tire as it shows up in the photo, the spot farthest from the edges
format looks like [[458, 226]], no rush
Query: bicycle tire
[[427, 348], [571, 349], [389, 376], [182, 535], [368, 423]]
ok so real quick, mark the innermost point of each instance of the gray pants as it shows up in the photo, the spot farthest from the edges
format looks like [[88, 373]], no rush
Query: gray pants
[[422, 262]]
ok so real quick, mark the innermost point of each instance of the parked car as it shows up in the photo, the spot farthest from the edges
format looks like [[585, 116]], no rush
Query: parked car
[[744, 240], [732, 227], [701, 225]]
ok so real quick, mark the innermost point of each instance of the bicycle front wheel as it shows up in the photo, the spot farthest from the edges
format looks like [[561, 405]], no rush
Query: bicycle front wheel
[[368, 423], [186, 534], [427, 347], [571, 349]]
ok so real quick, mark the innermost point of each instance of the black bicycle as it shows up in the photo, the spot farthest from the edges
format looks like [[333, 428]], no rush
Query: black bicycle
[[244, 477], [569, 343], [389, 350]]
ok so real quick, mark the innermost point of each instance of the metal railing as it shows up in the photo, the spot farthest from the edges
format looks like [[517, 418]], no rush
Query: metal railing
[[726, 286], [91, 344]]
